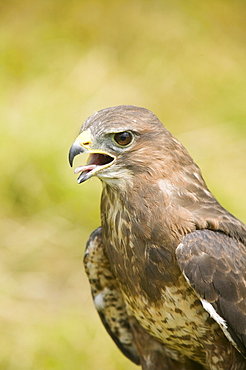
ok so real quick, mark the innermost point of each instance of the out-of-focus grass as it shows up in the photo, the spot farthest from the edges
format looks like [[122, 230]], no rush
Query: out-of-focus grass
[[61, 61]]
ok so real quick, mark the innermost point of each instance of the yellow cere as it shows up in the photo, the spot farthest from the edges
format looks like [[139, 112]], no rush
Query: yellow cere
[[84, 139]]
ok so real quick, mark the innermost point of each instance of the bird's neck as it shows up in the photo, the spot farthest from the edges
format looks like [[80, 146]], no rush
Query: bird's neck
[[144, 207], [165, 209], [135, 223]]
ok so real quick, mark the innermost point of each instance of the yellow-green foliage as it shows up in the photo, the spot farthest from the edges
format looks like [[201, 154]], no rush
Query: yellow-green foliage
[[60, 61]]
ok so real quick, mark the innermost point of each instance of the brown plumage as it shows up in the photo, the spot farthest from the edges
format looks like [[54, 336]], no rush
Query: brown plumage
[[167, 266]]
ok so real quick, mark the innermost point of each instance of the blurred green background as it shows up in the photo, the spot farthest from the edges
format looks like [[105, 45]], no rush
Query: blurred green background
[[60, 62]]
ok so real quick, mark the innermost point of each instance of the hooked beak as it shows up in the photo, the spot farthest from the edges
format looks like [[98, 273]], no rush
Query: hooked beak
[[75, 149], [97, 160]]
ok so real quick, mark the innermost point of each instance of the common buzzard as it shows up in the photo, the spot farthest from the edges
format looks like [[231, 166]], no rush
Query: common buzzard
[[167, 266]]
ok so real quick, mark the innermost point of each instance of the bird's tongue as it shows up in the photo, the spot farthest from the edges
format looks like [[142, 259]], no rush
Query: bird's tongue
[[84, 170], [94, 160]]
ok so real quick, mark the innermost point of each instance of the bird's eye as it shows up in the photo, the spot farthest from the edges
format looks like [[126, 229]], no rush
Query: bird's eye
[[123, 138]]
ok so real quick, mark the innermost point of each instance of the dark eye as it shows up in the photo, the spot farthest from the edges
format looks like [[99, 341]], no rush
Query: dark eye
[[123, 138]]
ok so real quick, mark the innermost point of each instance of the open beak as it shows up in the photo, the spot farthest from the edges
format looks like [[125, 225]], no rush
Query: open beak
[[97, 160]]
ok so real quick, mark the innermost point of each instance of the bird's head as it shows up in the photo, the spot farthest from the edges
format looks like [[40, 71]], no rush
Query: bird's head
[[123, 142]]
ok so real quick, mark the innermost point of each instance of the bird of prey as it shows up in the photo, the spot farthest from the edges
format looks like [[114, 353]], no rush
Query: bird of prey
[[167, 266]]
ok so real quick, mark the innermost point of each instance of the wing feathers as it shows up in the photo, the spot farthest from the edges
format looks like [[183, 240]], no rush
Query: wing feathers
[[215, 266], [107, 297]]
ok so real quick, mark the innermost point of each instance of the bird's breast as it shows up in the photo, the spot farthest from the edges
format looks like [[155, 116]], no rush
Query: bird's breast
[[177, 320], [153, 286]]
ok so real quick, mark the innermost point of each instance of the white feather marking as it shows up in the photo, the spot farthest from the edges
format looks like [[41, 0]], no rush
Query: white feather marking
[[180, 246], [99, 301], [186, 278], [197, 175], [166, 187], [209, 308], [207, 192], [222, 323]]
